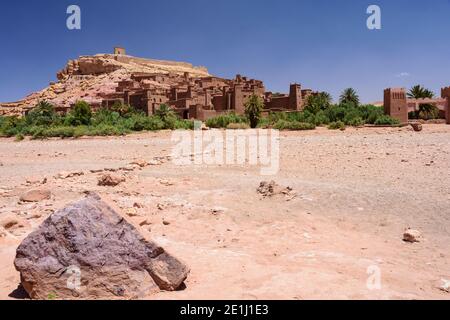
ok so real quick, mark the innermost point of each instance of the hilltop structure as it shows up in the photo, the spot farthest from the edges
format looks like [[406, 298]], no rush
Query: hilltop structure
[[105, 79]]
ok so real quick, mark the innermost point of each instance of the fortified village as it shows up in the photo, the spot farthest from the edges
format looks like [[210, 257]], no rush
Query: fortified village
[[105, 79]]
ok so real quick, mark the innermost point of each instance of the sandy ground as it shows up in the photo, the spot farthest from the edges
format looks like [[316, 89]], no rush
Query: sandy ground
[[356, 190]]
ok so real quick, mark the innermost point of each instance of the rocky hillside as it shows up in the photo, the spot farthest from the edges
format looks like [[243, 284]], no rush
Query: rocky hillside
[[92, 77]]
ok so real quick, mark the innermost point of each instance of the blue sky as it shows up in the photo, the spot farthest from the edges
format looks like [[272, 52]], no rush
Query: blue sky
[[322, 44]]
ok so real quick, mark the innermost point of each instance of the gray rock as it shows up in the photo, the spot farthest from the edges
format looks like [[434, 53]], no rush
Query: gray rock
[[88, 251]]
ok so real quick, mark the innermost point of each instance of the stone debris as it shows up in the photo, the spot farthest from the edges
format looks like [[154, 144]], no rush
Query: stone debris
[[14, 225], [109, 180], [416, 126], [66, 174], [140, 163], [271, 189], [91, 241], [411, 235], [132, 212], [36, 195], [36, 180]]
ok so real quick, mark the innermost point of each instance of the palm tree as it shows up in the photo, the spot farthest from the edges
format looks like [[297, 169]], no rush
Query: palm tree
[[419, 92], [350, 96], [253, 109], [317, 102], [426, 111]]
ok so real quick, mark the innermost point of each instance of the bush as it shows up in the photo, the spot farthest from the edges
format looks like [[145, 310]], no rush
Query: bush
[[124, 110], [253, 109], [386, 121], [321, 118], [238, 126], [80, 115], [43, 114], [356, 122], [293, 125], [224, 120], [338, 125]]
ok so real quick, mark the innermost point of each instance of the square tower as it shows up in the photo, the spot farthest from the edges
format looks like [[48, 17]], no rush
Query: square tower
[[395, 104], [445, 93], [295, 97], [119, 51]]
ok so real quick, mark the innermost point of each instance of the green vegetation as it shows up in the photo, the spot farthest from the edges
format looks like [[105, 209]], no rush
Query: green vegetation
[[224, 120], [253, 109], [44, 122], [293, 125], [349, 96], [426, 111], [339, 125], [238, 126], [386, 121]]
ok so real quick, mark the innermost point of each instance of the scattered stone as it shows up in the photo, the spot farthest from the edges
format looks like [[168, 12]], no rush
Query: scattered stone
[[132, 212], [90, 239], [109, 180], [36, 195], [140, 163], [138, 205], [36, 180], [14, 225], [445, 286], [154, 163], [166, 223], [411, 235], [416, 126], [145, 223], [96, 170], [166, 183], [128, 168], [66, 174], [270, 189]]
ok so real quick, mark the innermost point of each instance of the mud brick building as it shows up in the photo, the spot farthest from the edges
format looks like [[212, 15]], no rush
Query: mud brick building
[[398, 105]]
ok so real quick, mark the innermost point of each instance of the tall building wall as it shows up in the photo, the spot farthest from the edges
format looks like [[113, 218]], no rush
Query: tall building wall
[[295, 97], [395, 104], [445, 93]]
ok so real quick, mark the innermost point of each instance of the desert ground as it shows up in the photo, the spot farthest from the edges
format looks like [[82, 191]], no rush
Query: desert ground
[[354, 194]]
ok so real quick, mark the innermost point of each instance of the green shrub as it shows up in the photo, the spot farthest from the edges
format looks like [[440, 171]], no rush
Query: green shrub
[[338, 125], [184, 124], [238, 126], [43, 114], [124, 110], [80, 115], [222, 121], [321, 118], [20, 137], [253, 109], [386, 120], [356, 122], [294, 125]]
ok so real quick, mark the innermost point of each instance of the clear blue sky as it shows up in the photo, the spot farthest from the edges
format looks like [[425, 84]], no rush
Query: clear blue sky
[[322, 44]]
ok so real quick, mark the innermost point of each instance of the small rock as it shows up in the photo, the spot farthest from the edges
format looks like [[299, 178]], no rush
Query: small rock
[[36, 195], [109, 180], [416, 126], [13, 225], [166, 183], [66, 174], [411, 235], [166, 223], [145, 223], [445, 286], [154, 163], [140, 163], [132, 212], [138, 205], [96, 170]]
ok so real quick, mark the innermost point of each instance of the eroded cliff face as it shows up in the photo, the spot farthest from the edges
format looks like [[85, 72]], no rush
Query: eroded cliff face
[[91, 78]]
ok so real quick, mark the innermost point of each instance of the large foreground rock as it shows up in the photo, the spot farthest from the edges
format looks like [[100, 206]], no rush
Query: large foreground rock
[[88, 251]]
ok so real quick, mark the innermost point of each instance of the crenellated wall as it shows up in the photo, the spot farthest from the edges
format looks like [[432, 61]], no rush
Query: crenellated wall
[[395, 104]]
